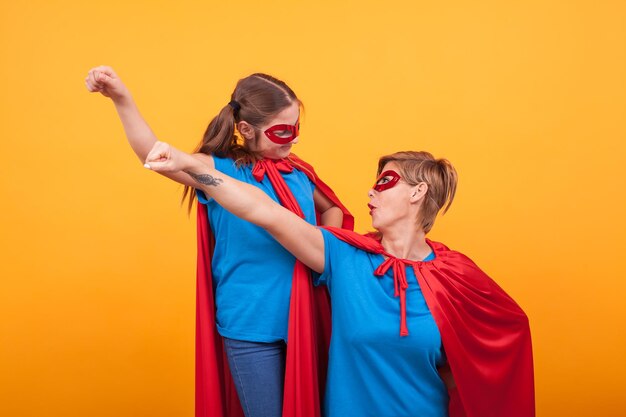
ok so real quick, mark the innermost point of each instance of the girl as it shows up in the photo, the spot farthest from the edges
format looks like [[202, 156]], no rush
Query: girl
[[250, 289]]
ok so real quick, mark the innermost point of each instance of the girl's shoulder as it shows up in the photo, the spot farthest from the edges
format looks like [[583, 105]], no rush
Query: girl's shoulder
[[229, 165]]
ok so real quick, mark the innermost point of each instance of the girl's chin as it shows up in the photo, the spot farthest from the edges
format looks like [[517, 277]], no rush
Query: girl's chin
[[283, 151], [277, 152]]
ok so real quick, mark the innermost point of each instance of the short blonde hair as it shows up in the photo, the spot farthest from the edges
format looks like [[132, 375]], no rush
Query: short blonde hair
[[438, 174]]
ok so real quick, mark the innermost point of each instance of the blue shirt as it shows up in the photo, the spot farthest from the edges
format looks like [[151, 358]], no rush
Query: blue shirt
[[372, 370], [252, 272]]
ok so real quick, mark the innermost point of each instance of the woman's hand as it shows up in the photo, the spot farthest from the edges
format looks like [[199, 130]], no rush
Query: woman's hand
[[164, 158], [105, 81]]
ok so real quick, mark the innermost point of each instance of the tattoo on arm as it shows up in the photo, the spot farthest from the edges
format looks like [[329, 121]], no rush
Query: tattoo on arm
[[205, 179]]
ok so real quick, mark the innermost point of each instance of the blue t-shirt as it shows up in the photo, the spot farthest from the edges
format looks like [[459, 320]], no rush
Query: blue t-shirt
[[372, 370], [252, 272]]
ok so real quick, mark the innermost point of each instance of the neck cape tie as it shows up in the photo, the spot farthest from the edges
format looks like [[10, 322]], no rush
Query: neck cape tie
[[400, 283], [272, 169]]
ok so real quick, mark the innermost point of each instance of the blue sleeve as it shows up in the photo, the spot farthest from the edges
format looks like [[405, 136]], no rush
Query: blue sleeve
[[331, 246], [202, 198]]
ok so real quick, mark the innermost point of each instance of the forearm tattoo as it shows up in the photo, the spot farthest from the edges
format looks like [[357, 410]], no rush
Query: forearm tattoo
[[205, 179]]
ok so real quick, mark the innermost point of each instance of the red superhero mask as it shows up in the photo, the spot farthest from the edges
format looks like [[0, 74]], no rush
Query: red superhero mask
[[386, 180], [282, 134]]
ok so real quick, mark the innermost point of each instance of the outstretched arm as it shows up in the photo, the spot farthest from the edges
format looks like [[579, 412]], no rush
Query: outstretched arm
[[140, 136], [302, 239]]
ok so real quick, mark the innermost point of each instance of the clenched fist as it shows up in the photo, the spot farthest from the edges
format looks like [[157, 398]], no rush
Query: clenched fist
[[105, 81]]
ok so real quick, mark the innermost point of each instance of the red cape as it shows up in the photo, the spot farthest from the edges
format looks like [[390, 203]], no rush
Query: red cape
[[485, 334], [308, 333]]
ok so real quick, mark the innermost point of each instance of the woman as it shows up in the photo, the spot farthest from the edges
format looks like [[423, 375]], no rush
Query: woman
[[462, 347], [251, 140]]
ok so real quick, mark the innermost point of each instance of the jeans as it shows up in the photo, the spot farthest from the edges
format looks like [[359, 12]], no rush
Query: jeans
[[258, 371]]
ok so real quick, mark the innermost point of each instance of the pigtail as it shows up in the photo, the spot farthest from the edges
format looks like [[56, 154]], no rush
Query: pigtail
[[220, 134], [219, 138]]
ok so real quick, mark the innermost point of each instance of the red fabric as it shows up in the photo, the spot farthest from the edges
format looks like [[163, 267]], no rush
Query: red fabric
[[294, 131], [309, 319], [348, 219], [400, 285], [485, 334], [216, 395]]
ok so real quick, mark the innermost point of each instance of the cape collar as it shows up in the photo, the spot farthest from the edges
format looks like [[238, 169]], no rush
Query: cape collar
[[270, 167]]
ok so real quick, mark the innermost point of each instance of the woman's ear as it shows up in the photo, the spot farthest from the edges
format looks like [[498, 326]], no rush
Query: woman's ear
[[246, 130], [418, 192]]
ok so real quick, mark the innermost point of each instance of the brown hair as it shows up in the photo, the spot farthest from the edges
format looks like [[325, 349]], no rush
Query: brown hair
[[259, 97], [438, 174]]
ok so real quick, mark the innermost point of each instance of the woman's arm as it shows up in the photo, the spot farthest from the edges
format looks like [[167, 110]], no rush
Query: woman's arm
[[139, 134], [302, 239]]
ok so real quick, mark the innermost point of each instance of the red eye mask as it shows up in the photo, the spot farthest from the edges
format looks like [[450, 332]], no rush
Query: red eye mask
[[282, 134], [386, 180]]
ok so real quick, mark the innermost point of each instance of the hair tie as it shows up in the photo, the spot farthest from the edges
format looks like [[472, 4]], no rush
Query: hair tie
[[236, 106]]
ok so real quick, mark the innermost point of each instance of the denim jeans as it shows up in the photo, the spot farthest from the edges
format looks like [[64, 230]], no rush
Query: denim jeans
[[258, 371]]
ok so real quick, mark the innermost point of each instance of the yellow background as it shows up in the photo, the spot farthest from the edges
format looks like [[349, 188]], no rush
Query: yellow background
[[526, 98]]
